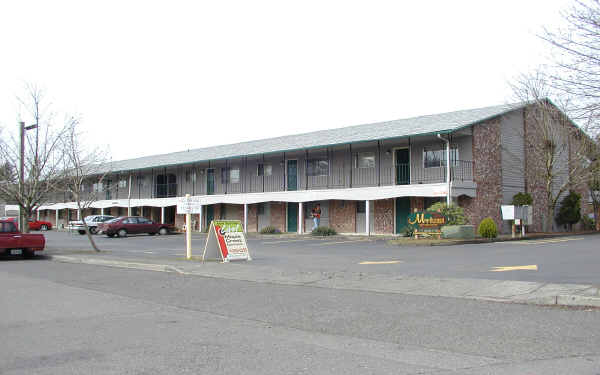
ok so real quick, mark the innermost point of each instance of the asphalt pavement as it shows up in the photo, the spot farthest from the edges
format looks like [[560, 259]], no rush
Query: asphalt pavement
[[61, 318], [573, 259]]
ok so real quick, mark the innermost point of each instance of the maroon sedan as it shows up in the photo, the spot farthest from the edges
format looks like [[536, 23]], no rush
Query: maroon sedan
[[124, 225]]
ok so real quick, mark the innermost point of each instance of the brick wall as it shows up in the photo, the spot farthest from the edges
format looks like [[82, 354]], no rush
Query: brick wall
[[384, 216], [342, 216], [278, 217], [252, 218], [179, 221], [487, 174], [417, 204]]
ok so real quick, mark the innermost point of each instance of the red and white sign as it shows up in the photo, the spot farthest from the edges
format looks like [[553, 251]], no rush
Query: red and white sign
[[226, 241]]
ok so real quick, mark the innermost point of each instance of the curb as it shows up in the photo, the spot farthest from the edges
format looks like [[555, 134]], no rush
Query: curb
[[572, 300]]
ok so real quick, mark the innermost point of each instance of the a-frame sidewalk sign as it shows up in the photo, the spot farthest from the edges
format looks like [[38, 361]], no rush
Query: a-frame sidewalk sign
[[226, 241]]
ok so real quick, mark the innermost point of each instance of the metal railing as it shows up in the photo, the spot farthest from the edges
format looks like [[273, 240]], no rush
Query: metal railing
[[166, 190]]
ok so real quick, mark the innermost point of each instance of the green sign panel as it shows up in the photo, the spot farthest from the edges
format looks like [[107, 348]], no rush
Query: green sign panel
[[427, 220], [229, 226]]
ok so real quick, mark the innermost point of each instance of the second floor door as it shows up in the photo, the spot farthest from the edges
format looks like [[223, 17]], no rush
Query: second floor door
[[210, 181], [292, 175], [402, 157]]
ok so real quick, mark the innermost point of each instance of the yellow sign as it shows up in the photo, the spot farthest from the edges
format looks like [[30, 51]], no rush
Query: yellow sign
[[531, 267]]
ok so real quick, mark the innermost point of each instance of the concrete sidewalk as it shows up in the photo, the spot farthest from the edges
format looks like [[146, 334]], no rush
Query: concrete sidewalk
[[478, 289]]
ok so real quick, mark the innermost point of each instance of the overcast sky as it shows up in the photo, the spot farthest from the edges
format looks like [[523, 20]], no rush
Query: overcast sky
[[153, 77]]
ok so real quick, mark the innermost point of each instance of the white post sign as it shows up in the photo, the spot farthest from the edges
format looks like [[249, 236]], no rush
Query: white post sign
[[226, 241], [188, 205]]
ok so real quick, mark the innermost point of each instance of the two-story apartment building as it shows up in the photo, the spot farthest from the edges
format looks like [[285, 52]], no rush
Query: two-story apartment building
[[366, 178]]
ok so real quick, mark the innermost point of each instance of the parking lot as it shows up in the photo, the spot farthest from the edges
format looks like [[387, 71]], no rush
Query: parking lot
[[570, 259]]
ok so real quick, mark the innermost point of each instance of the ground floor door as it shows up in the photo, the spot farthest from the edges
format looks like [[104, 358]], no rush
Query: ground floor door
[[264, 215], [170, 214], [210, 214], [402, 212], [292, 217]]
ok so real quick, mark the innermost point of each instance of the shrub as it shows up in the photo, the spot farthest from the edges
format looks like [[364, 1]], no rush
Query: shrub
[[487, 228], [408, 231], [570, 210], [522, 199], [323, 231], [588, 223], [270, 230], [454, 214]]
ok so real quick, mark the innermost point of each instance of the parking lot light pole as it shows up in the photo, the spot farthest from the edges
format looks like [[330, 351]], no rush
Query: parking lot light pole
[[22, 130]]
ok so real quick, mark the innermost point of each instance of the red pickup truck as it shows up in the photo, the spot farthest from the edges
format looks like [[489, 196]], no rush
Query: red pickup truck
[[13, 242]]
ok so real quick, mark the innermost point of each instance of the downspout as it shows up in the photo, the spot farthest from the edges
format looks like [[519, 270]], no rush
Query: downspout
[[449, 196]]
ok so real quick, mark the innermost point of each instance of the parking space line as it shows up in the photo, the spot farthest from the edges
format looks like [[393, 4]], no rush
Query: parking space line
[[545, 241], [276, 242], [341, 242], [381, 262]]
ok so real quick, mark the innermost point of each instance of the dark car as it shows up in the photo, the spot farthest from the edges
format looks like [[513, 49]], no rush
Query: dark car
[[124, 225]]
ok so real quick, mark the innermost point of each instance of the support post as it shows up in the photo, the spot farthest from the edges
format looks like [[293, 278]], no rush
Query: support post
[[200, 219], [449, 195], [300, 217], [368, 217], [38, 214], [162, 215], [78, 215], [128, 197], [245, 217], [102, 211], [142, 211], [188, 233], [56, 225]]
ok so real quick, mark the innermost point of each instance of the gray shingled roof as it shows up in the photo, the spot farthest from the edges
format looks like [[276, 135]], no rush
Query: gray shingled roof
[[439, 123]]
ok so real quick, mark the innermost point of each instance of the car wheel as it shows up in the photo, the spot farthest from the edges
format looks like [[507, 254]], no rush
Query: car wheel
[[82, 232], [151, 233], [93, 230], [163, 231], [122, 233], [44, 227], [111, 235], [28, 254]]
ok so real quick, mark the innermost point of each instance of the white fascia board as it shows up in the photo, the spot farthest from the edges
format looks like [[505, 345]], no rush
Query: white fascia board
[[351, 194]]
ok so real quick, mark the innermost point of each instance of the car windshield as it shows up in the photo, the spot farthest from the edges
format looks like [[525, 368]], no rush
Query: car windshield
[[113, 220]]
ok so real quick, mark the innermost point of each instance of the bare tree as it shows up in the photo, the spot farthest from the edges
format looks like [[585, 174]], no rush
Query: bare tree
[[557, 151], [83, 168], [576, 48], [594, 183], [42, 157]]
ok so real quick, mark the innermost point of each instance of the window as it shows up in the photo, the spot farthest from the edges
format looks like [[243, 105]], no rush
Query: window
[[361, 207], [230, 175], [123, 183], [317, 167], [8, 227], [141, 181], [260, 209], [98, 188], [264, 170], [190, 176], [437, 157], [108, 192], [234, 175], [365, 160]]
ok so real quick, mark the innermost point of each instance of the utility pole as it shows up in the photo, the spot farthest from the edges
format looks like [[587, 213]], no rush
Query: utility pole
[[22, 129]]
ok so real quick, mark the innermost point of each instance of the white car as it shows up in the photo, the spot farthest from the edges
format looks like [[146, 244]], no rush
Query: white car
[[92, 222]]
